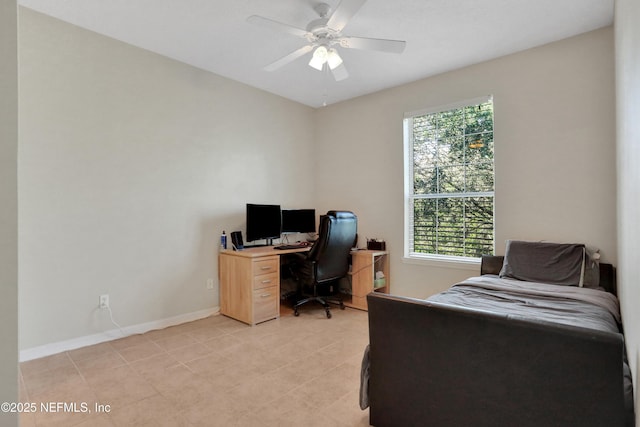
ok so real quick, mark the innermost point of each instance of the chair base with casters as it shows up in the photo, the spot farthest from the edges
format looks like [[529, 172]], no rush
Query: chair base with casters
[[320, 299]]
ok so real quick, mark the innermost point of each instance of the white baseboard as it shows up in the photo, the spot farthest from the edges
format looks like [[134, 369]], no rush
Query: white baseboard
[[72, 344]]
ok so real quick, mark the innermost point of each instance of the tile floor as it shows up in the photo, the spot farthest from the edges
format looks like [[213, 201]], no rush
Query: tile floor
[[292, 371]]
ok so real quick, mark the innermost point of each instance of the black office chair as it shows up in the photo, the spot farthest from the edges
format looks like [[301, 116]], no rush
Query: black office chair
[[319, 270]]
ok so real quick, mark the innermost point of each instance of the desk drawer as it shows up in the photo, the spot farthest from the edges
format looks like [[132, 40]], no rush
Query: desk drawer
[[265, 304], [266, 266], [266, 280]]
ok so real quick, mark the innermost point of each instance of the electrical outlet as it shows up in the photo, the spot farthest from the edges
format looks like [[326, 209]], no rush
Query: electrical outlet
[[104, 301], [209, 283]]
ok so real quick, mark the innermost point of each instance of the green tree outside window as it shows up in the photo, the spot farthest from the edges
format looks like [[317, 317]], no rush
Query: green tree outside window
[[451, 196]]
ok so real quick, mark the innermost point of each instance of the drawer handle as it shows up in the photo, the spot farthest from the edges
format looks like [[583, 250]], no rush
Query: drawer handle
[[266, 281], [265, 295], [265, 268]]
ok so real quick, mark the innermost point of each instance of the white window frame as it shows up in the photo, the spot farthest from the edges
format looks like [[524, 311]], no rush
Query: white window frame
[[458, 262]]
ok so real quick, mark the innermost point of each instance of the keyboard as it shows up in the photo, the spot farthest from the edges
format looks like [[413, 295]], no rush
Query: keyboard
[[294, 246]]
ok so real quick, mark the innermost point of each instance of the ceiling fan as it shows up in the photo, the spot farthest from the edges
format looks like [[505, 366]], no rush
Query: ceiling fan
[[324, 35]]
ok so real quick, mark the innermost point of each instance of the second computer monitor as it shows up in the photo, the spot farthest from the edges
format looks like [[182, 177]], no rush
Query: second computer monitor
[[299, 221]]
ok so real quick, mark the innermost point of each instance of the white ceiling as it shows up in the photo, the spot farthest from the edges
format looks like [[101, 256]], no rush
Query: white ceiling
[[441, 35]]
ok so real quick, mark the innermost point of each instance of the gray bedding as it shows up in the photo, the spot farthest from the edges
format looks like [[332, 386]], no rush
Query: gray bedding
[[569, 305]]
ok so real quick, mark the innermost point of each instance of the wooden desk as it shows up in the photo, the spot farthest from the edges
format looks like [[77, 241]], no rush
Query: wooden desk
[[250, 283]]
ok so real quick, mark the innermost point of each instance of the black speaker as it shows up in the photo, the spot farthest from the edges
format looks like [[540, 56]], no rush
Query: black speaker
[[236, 240]]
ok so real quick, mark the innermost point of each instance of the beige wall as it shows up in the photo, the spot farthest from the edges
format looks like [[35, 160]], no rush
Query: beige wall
[[8, 208], [554, 158], [627, 35], [131, 165]]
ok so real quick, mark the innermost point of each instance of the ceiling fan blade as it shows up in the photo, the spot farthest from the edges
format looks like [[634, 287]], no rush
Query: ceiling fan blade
[[382, 45], [340, 73], [277, 26], [289, 58], [343, 13]]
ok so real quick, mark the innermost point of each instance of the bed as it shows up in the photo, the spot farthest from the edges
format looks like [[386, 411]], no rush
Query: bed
[[536, 340]]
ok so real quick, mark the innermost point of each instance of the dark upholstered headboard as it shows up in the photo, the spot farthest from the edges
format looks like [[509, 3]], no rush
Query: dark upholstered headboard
[[492, 264]]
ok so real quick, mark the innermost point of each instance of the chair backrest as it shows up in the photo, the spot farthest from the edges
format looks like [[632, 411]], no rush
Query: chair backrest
[[336, 237]]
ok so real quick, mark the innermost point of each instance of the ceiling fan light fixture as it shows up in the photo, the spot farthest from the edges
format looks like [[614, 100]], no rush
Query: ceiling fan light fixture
[[319, 58], [324, 34], [333, 59], [318, 65]]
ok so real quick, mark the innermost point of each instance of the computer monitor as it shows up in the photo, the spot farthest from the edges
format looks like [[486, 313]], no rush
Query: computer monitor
[[263, 222], [299, 221]]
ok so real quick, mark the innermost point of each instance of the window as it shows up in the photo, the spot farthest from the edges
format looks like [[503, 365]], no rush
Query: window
[[449, 185]]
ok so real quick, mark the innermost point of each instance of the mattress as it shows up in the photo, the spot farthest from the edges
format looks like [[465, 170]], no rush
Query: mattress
[[570, 305]]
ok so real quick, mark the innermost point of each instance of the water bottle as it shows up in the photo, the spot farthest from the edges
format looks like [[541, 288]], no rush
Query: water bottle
[[223, 241]]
